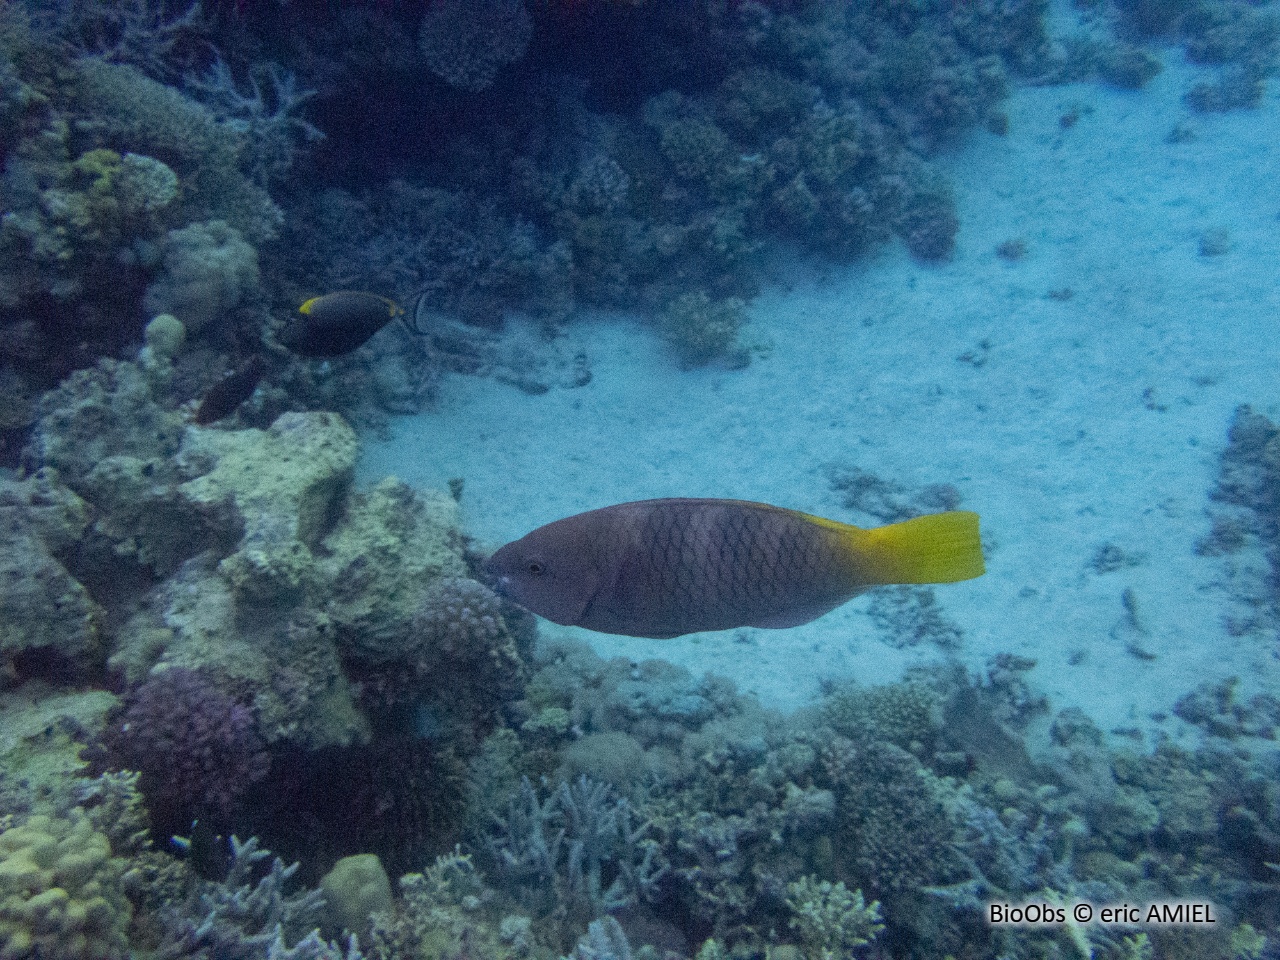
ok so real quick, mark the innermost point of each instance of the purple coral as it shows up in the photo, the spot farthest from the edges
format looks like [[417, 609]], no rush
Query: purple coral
[[196, 747], [461, 618]]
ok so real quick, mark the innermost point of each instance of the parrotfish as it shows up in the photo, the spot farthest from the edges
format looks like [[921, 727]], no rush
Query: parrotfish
[[224, 397], [663, 568]]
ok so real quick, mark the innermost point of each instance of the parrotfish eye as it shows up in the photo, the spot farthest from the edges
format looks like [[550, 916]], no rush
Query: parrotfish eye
[[535, 567]]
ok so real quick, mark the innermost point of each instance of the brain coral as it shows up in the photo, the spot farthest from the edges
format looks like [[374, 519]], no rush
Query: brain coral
[[60, 892]]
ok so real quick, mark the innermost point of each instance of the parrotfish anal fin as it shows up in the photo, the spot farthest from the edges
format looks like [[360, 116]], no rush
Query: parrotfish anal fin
[[936, 548]]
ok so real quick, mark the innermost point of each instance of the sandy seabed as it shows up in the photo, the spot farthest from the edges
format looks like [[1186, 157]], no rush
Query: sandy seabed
[[1095, 419]]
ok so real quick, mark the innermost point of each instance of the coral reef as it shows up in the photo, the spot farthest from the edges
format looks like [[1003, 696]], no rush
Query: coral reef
[[111, 441], [908, 616], [154, 119], [246, 914], [604, 940], [700, 330], [830, 921], [907, 715], [208, 270], [1215, 708], [60, 892], [279, 486], [1245, 518], [466, 44], [293, 616], [42, 606], [895, 830], [447, 912], [577, 855], [196, 747], [354, 889]]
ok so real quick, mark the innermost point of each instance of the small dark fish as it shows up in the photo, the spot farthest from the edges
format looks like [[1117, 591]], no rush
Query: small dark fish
[[237, 386], [205, 849], [662, 568], [339, 322]]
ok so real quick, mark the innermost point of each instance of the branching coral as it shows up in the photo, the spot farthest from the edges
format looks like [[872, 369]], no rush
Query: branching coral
[[197, 748], [830, 921], [578, 853], [138, 32], [247, 914], [604, 940], [266, 111]]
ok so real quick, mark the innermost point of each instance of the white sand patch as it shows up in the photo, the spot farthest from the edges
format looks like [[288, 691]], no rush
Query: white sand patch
[[1095, 419]]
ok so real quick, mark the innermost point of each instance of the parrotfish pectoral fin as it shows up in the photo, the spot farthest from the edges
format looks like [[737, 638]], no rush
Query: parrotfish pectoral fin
[[937, 548]]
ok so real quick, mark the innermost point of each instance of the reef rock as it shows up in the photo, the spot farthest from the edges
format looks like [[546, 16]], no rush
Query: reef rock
[[379, 565], [41, 604], [281, 487]]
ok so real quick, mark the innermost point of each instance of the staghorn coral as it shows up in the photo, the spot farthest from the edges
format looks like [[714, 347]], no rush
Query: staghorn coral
[[246, 915], [604, 940], [115, 805], [577, 854], [138, 32], [1215, 708], [266, 113], [60, 893], [830, 921]]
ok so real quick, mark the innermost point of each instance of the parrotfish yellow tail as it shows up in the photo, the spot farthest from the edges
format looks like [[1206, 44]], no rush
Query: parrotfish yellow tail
[[662, 568], [938, 548]]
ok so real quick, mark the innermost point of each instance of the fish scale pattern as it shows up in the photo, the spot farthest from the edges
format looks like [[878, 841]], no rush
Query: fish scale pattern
[[726, 564]]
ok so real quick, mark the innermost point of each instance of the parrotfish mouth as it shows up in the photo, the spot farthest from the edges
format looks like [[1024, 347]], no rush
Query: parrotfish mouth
[[499, 583]]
